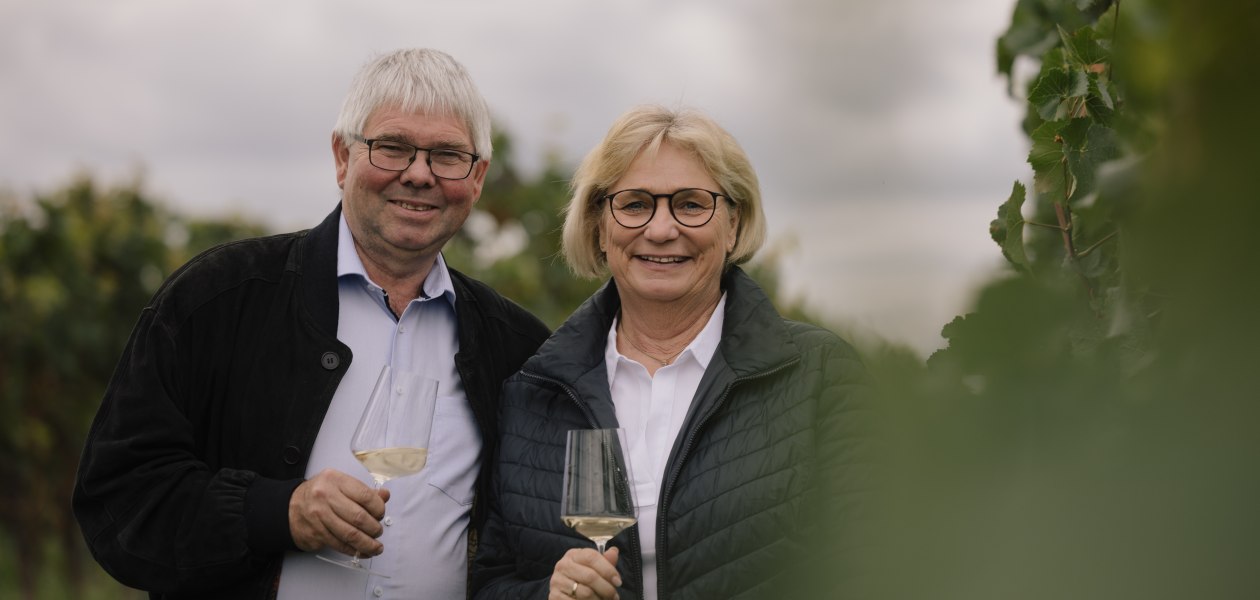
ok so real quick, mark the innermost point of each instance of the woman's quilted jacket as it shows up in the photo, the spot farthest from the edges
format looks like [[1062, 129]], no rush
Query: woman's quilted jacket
[[766, 467]]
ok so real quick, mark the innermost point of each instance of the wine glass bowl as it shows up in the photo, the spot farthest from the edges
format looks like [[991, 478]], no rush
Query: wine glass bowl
[[597, 500], [392, 437]]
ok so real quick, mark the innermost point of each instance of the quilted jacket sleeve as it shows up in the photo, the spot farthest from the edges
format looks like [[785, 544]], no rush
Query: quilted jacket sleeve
[[494, 568], [845, 439]]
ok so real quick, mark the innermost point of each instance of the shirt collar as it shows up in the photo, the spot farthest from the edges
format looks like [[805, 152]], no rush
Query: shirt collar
[[349, 265], [701, 349]]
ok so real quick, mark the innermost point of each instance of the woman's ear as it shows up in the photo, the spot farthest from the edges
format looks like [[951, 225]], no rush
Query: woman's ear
[[601, 236]]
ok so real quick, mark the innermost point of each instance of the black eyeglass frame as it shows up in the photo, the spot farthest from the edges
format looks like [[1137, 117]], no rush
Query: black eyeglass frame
[[670, 203], [428, 156]]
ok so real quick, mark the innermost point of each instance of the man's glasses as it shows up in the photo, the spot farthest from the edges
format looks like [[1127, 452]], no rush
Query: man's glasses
[[691, 207], [398, 156]]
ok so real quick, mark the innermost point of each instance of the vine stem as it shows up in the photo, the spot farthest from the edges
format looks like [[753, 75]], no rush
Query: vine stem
[[1065, 228], [1095, 245], [1064, 215], [1046, 225], [1115, 33]]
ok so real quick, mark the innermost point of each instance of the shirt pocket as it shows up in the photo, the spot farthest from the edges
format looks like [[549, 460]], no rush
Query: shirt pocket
[[454, 449]]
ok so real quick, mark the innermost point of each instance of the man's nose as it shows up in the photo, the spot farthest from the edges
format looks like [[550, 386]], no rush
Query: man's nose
[[418, 173]]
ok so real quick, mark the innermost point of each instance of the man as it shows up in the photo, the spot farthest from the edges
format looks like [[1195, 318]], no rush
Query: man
[[219, 463]]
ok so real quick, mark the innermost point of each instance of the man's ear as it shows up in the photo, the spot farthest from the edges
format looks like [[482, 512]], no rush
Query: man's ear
[[478, 178], [341, 155]]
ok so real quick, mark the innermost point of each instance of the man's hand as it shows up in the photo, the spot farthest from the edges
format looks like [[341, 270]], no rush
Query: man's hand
[[335, 510]]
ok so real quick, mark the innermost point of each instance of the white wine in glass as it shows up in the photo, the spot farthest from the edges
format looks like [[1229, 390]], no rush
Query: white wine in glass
[[387, 463], [597, 500], [392, 439]]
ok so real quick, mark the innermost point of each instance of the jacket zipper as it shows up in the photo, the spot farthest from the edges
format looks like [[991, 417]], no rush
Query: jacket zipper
[[635, 558], [676, 468]]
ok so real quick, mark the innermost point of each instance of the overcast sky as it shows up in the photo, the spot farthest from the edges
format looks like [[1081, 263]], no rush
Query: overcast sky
[[883, 137]]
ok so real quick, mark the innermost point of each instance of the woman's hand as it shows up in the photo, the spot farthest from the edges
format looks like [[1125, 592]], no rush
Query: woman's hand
[[583, 573]]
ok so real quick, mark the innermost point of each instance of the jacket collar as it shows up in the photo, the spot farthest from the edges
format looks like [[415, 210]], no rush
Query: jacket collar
[[754, 337], [315, 263]]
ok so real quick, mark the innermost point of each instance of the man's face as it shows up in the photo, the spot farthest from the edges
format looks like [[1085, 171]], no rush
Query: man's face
[[397, 217]]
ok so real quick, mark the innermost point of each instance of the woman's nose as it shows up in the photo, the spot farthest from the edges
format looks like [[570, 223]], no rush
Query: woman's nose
[[662, 226]]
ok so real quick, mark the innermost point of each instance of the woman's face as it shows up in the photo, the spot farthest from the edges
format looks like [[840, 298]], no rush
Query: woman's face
[[664, 261]]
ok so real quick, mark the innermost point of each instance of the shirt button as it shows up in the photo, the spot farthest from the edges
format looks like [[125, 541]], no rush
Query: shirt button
[[378, 591], [388, 521]]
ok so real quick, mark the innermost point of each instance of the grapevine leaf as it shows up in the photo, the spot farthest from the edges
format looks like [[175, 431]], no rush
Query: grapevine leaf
[[1086, 146], [1047, 93], [1083, 49], [1008, 229], [1050, 178], [1020, 325], [1066, 39], [1027, 35], [1054, 58], [1005, 61], [1079, 85], [1054, 88], [1094, 8], [1101, 104]]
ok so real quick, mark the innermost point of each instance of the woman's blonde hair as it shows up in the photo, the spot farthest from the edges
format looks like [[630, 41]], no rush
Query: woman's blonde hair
[[642, 130]]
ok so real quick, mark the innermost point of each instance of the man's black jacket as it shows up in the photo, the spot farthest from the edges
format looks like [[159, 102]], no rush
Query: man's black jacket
[[208, 422]]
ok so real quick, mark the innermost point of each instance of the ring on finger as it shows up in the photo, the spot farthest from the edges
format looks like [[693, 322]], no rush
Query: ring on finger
[[573, 590]]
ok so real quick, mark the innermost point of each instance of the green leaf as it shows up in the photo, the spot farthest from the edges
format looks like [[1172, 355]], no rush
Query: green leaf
[[1047, 93], [1050, 177], [1082, 48], [1028, 35], [1100, 91], [1099, 104], [1087, 145], [1052, 91], [1005, 61], [1094, 8], [1008, 229]]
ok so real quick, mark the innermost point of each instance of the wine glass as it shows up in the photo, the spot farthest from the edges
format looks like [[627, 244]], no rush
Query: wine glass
[[392, 438], [597, 500]]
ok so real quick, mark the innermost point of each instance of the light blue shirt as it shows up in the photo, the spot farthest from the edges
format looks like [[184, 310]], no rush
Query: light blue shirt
[[427, 517]]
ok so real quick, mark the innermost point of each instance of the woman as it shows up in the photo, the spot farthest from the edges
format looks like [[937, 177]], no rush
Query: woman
[[738, 421]]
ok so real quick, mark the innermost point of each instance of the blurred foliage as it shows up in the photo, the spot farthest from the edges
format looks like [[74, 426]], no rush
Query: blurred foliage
[[512, 240], [76, 267], [1089, 432]]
